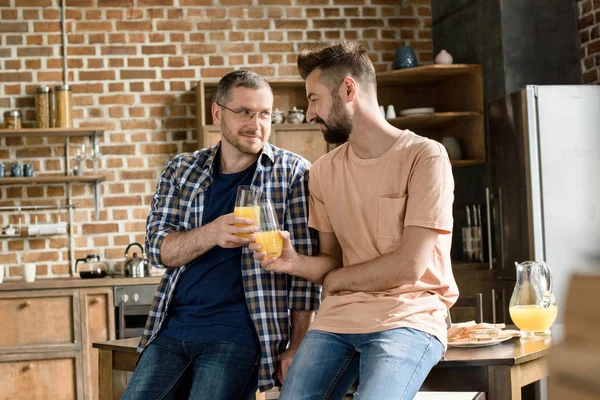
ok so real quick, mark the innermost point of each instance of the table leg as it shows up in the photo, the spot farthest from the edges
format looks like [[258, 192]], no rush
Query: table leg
[[105, 380], [504, 383]]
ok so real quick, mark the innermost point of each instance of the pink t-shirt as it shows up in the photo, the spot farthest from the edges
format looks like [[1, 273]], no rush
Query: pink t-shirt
[[367, 203]]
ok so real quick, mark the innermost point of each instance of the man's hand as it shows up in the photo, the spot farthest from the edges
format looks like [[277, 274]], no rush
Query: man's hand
[[284, 264], [224, 230], [285, 362]]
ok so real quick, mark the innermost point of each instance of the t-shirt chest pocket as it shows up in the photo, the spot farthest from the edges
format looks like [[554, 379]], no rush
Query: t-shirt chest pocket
[[390, 222]]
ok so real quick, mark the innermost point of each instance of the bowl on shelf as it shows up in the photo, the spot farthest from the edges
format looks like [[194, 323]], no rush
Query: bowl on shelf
[[417, 111]]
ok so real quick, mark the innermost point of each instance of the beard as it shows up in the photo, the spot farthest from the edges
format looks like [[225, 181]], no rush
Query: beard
[[339, 128], [236, 141]]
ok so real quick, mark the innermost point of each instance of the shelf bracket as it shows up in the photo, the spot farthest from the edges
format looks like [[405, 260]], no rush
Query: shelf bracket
[[97, 198]]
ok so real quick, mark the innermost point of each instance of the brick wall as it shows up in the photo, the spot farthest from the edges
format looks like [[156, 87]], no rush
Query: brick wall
[[133, 65], [589, 28]]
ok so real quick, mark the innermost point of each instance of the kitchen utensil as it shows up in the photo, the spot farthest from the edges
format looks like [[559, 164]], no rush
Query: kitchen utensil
[[278, 117], [91, 267], [135, 267]]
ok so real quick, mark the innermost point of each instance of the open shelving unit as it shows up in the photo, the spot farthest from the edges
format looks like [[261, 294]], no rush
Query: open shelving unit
[[455, 91], [68, 179]]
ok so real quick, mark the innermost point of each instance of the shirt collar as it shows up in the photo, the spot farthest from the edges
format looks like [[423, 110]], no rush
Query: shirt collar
[[265, 155]]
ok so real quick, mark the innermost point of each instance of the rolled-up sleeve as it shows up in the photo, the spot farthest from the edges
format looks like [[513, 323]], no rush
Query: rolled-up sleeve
[[303, 295], [164, 216]]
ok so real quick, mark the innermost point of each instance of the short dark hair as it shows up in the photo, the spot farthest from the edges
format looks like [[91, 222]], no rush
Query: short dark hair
[[239, 78], [338, 61]]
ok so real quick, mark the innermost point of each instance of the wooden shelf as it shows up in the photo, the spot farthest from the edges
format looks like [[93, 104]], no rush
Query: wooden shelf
[[433, 120], [466, 163], [461, 265], [43, 179], [425, 74], [64, 132]]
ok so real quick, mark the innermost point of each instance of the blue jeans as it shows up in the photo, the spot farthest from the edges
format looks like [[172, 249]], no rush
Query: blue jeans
[[175, 369], [391, 364]]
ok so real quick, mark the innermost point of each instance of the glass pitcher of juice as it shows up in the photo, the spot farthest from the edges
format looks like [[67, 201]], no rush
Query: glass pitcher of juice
[[532, 305]]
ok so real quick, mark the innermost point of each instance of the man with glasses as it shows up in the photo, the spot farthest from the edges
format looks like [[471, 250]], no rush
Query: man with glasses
[[220, 324]]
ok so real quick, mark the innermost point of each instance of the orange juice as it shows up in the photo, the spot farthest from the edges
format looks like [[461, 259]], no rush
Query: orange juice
[[533, 318], [270, 242], [251, 212]]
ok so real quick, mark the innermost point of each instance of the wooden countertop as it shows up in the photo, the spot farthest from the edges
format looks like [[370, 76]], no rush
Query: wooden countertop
[[63, 283]]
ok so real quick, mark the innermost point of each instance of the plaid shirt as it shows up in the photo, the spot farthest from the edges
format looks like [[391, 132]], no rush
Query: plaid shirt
[[177, 206]]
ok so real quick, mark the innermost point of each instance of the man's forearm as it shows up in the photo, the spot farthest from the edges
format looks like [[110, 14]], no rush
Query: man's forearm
[[314, 268], [300, 322], [179, 248]]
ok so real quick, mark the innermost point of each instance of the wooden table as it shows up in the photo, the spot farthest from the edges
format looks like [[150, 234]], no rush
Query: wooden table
[[500, 371]]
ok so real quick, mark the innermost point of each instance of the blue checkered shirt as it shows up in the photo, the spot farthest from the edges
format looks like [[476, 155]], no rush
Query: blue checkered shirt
[[177, 206]]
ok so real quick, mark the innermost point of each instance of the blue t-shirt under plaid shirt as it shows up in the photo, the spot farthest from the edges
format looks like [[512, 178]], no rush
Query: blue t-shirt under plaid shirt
[[178, 205]]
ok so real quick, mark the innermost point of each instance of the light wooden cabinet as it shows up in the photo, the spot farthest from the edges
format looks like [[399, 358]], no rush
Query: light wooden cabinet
[[45, 376], [454, 91], [46, 341]]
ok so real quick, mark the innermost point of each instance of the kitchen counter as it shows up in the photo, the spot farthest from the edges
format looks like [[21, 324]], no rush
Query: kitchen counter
[[63, 283]]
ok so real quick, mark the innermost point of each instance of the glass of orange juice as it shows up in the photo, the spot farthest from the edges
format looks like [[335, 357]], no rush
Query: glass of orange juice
[[268, 230], [532, 306], [247, 206]]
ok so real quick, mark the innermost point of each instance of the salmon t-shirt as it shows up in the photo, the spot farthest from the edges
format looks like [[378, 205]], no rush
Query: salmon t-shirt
[[367, 203]]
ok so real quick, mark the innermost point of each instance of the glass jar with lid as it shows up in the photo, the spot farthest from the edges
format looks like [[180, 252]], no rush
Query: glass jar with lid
[[64, 106], [12, 119], [42, 107]]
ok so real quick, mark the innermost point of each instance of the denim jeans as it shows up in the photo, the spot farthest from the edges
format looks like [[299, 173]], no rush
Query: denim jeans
[[391, 365], [175, 369]]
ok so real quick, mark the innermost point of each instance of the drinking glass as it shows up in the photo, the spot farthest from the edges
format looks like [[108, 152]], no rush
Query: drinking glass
[[247, 206], [268, 230]]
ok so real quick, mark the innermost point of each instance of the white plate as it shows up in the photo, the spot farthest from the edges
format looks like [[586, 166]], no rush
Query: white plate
[[479, 344], [414, 111]]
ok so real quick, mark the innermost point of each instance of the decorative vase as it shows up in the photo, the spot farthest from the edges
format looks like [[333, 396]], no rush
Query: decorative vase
[[405, 57], [443, 57]]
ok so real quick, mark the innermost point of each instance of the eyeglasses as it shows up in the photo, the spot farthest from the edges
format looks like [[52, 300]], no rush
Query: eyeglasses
[[247, 115]]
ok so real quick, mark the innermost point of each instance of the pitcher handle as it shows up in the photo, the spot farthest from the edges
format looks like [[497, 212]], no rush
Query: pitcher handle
[[547, 298]]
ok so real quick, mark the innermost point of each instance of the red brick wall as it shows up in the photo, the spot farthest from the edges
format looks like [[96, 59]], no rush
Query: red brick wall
[[133, 65], [589, 28]]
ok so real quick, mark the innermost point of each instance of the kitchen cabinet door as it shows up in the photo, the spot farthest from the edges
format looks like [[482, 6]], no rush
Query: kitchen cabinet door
[[98, 325], [41, 377]]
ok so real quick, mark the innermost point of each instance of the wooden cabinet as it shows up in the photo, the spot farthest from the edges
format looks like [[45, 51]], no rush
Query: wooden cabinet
[[304, 139], [454, 91], [46, 336], [98, 322], [40, 344], [40, 377]]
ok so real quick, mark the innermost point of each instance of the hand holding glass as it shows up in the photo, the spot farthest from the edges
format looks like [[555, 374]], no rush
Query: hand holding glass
[[268, 231], [247, 206]]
